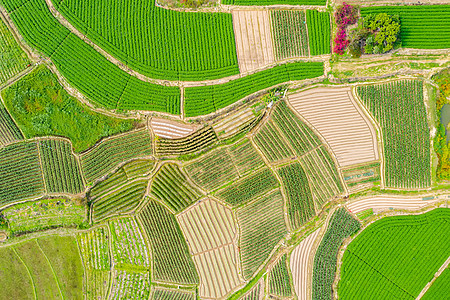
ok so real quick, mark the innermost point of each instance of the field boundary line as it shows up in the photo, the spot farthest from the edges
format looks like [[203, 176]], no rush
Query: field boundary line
[[436, 276], [51, 268], [28, 271]]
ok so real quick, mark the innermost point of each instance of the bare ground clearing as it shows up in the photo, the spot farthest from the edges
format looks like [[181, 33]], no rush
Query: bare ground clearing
[[171, 129], [342, 123]]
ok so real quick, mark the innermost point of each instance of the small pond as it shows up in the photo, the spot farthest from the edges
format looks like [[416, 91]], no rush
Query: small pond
[[445, 119]]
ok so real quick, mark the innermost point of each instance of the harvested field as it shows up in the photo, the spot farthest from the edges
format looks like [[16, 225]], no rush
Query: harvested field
[[301, 265], [170, 129], [210, 231], [253, 39], [337, 117], [381, 203]]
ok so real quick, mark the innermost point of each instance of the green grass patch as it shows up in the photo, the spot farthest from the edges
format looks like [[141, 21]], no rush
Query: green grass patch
[[42, 107]]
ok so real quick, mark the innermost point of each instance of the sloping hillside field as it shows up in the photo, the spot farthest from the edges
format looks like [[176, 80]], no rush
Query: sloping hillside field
[[224, 150]]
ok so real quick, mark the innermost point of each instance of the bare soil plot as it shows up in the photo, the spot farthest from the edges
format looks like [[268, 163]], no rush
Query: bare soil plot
[[301, 265], [382, 203], [210, 231], [335, 114], [171, 129], [253, 39], [231, 124], [390, 2]]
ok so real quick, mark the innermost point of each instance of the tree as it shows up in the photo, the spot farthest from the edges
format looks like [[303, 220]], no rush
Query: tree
[[386, 30]]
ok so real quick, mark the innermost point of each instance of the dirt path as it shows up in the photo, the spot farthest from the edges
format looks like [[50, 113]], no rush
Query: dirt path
[[438, 273]]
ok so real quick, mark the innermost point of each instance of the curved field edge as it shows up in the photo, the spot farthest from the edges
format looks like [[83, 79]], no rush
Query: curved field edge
[[398, 255]]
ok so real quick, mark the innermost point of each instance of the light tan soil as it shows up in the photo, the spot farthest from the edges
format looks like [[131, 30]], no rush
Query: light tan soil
[[383, 203], [3, 237], [300, 265], [211, 234], [336, 116], [171, 129], [253, 39]]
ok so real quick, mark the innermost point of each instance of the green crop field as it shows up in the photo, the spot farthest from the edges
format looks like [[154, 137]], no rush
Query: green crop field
[[289, 33], [270, 140], [423, 27], [406, 251], [171, 187], [440, 288], [279, 281], [13, 59], [171, 261], [399, 109], [9, 132], [262, 227], [160, 43], [319, 32], [207, 99], [340, 227]]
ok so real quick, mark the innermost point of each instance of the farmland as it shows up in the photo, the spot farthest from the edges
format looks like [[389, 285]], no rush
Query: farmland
[[14, 60], [341, 226], [224, 149], [409, 250], [407, 159]]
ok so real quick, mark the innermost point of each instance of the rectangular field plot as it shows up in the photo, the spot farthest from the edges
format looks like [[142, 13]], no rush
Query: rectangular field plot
[[9, 132], [130, 285], [159, 293], [171, 260], [61, 170], [107, 155], [279, 281], [171, 186], [20, 172], [272, 144], [423, 27], [128, 244], [210, 231], [13, 59], [245, 157], [249, 187], [319, 32], [335, 115], [262, 226], [289, 33], [299, 202], [400, 110], [253, 39]]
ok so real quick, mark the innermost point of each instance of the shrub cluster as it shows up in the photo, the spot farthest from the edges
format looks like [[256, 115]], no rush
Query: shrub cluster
[[345, 15]]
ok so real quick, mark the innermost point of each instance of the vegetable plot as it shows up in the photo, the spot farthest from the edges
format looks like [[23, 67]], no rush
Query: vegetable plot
[[289, 33], [319, 32]]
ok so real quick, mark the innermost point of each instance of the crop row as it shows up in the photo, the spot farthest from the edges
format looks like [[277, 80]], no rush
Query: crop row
[[128, 245], [319, 32], [85, 68], [193, 143], [130, 285], [94, 249], [61, 171], [138, 168], [171, 261], [279, 280], [171, 294], [399, 108], [9, 132], [262, 226], [157, 42], [423, 26], [270, 140], [107, 155], [171, 186], [341, 226], [407, 250], [249, 187], [13, 59], [213, 170], [301, 138], [245, 157], [324, 178], [207, 99], [299, 202], [289, 33], [20, 172]]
